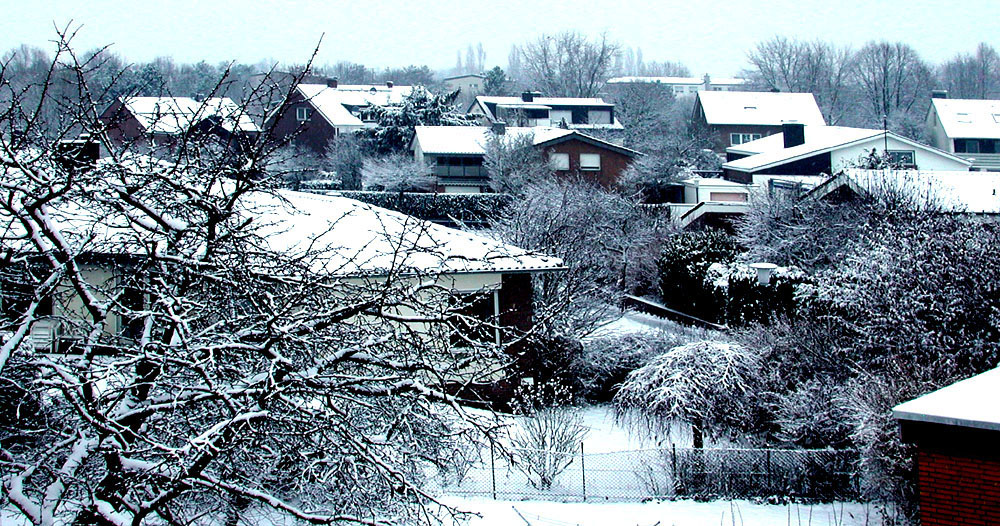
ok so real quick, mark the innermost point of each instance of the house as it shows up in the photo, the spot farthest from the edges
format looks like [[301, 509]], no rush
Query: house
[[681, 86], [470, 83], [340, 238], [955, 431], [731, 118], [814, 150], [707, 202], [456, 154], [532, 109], [148, 123], [967, 128], [316, 113]]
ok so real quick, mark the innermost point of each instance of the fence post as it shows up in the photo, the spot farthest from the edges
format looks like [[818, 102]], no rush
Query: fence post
[[583, 473], [493, 469], [768, 463], [673, 466]]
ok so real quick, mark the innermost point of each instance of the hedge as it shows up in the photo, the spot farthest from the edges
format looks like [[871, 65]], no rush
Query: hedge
[[475, 208]]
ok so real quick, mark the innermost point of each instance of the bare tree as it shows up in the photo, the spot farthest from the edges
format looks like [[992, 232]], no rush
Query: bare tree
[[568, 64], [396, 172], [816, 67], [218, 368], [973, 76], [513, 163], [895, 83]]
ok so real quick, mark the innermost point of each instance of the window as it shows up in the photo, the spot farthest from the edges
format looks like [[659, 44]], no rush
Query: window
[[599, 117], [966, 146], [903, 158], [557, 116], [590, 161], [302, 114], [559, 161], [742, 138]]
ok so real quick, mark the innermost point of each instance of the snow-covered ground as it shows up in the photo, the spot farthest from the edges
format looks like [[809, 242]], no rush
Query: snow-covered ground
[[662, 513]]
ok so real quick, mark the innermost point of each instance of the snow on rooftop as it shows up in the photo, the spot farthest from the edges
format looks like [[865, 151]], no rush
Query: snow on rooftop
[[969, 403], [771, 150], [174, 115], [545, 101], [332, 103], [472, 140], [361, 239], [760, 108], [956, 191], [966, 118]]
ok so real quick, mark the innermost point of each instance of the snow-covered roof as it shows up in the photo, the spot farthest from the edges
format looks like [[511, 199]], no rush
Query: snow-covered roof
[[770, 151], [341, 237], [715, 182], [465, 76], [544, 101], [760, 108], [332, 103], [969, 403], [675, 81], [968, 119], [472, 140], [362, 239], [952, 191], [175, 115]]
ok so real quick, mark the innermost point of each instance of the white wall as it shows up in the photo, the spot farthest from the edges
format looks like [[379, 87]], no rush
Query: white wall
[[925, 159]]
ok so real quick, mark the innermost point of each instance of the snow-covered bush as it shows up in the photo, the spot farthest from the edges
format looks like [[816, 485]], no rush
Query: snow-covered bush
[[438, 207], [714, 386], [745, 300]]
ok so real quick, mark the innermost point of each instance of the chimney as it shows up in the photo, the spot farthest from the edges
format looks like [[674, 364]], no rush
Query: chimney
[[499, 127], [794, 133], [939, 94], [707, 81], [332, 82], [527, 96], [388, 84]]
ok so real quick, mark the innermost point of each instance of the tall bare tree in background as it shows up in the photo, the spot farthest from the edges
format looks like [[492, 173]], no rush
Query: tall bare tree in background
[[895, 84], [973, 76], [820, 68], [568, 64]]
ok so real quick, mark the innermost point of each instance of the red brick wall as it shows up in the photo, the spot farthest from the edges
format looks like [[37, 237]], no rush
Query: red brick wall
[[957, 490], [314, 133], [613, 164]]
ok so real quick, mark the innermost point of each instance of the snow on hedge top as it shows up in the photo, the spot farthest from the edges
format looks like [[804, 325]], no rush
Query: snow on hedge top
[[966, 118], [763, 109], [472, 140], [360, 239], [969, 403], [174, 115]]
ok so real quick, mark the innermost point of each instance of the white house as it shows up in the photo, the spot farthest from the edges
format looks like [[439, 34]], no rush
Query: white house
[[683, 86], [967, 128], [814, 150], [532, 109], [469, 83], [960, 192]]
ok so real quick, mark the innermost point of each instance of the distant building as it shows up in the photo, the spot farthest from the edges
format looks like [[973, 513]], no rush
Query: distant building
[[814, 150], [470, 83], [532, 109], [967, 128], [147, 124], [456, 154], [956, 431], [737, 117], [316, 113], [684, 86]]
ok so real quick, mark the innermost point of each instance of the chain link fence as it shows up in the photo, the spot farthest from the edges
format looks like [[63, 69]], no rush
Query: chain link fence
[[636, 475]]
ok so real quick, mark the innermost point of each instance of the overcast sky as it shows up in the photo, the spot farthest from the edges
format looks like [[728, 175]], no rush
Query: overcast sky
[[706, 36]]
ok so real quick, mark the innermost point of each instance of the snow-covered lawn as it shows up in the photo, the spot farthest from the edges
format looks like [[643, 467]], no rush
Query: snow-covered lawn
[[663, 513]]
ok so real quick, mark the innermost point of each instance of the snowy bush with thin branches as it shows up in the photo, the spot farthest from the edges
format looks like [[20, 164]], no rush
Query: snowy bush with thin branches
[[712, 385], [548, 435]]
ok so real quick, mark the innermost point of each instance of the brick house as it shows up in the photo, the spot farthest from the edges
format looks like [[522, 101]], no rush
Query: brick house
[[731, 118], [316, 113], [150, 123], [956, 431], [456, 153]]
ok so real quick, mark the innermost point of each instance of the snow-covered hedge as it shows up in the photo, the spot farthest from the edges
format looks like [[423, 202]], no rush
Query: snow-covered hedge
[[464, 207]]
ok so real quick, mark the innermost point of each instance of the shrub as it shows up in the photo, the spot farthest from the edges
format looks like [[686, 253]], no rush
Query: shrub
[[683, 265]]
